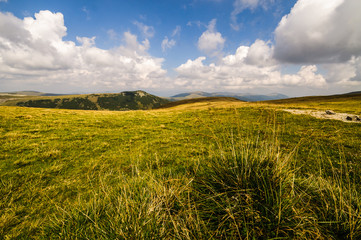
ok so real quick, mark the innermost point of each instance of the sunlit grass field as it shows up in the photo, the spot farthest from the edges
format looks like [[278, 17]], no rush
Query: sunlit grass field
[[349, 103], [217, 170]]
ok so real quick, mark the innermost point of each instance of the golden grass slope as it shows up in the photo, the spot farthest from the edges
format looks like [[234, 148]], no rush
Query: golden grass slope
[[202, 170], [204, 102], [349, 103]]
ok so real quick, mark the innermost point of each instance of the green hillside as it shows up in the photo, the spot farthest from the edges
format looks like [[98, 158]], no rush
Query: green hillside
[[201, 170], [121, 101], [343, 102], [200, 100], [247, 97]]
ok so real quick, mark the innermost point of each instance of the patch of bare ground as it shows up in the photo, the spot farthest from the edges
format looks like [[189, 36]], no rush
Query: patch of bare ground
[[345, 117]]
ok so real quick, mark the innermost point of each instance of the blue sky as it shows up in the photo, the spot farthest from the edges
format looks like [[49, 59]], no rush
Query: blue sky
[[169, 46]]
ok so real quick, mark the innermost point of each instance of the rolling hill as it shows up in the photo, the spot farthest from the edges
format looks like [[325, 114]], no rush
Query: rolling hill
[[349, 102], [129, 100], [207, 100], [242, 97], [327, 98]]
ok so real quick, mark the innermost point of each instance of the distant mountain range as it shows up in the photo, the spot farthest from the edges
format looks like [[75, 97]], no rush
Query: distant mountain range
[[244, 97], [30, 93], [201, 100], [354, 93], [140, 100], [130, 100]]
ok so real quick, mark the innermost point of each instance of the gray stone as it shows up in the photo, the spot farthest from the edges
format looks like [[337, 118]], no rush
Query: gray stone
[[355, 118], [330, 112]]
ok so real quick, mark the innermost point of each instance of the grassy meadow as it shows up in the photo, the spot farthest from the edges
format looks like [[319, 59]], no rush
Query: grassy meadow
[[209, 170], [348, 103]]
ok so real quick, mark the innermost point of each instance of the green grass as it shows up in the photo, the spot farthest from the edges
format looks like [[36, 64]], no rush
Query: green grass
[[244, 171], [341, 103], [200, 100]]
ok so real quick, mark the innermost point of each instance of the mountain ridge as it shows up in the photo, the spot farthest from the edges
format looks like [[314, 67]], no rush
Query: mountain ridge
[[199, 100], [247, 97], [31, 93], [127, 100]]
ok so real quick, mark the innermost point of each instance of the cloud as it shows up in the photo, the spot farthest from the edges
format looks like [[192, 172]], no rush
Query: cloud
[[241, 5], [306, 76], [176, 31], [112, 34], [211, 42], [133, 47], [167, 44], [87, 12], [33, 43], [33, 52], [260, 53], [46, 25], [250, 67], [319, 31], [347, 73], [147, 31], [86, 42], [197, 23]]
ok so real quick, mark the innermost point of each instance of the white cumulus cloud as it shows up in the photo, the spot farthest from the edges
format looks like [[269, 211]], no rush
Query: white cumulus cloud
[[306, 76], [33, 52], [211, 42], [260, 53], [250, 67], [320, 31]]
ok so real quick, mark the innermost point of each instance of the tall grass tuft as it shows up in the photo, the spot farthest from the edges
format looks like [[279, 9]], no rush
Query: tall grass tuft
[[253, 191], [250, 193]]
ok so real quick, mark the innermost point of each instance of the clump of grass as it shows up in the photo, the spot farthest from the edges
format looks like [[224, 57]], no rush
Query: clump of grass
[[254, 192], [249, 193]]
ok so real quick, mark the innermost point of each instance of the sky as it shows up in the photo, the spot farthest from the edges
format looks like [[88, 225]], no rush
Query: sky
[[165, 47]]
